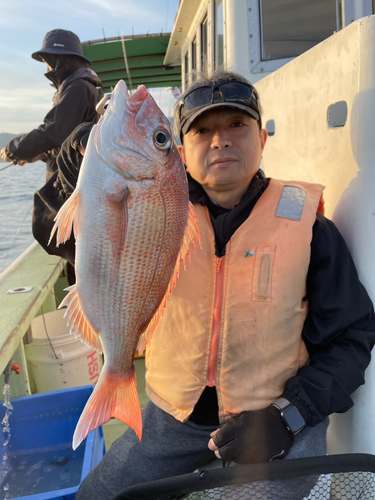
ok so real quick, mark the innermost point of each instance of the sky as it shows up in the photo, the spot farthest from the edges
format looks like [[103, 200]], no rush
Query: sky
[[25, 93]]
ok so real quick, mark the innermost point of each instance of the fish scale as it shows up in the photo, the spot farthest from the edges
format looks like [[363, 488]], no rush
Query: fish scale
[[133, 224]]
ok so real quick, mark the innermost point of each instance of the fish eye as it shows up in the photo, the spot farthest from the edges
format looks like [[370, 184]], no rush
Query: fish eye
[[162, 139]]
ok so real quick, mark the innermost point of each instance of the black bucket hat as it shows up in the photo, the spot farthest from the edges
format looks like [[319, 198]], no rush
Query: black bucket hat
[[60, 42]]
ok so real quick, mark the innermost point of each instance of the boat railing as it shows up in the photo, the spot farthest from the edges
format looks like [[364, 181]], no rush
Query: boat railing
[[349, 476], [26, 286]]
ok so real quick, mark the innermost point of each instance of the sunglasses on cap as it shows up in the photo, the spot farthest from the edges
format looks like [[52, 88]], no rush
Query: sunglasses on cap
[[236, 94]]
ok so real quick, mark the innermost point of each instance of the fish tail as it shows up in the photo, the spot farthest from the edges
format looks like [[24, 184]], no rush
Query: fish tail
[[113, 396]]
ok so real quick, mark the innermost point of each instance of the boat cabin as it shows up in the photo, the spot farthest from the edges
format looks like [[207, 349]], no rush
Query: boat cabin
[[313, 65]]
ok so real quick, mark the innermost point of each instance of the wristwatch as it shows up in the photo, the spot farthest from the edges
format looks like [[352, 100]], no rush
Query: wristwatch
[[291, 415]]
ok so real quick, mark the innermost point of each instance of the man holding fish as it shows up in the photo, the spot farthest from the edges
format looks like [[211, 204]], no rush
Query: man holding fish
[[267, 331]]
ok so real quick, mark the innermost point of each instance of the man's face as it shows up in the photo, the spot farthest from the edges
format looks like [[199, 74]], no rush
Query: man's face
[[48, 66], [223, 150]]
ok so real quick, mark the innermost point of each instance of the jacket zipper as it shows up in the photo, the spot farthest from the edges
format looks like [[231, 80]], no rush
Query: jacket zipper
[[211, 375]]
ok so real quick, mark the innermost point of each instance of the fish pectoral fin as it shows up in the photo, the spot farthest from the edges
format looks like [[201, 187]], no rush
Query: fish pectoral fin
[[116, 193], [191, 233], [65, 219], [78, 323], [113, 396]]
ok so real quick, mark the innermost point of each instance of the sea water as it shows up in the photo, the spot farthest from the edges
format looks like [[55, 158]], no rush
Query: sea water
[[18, 185], [5, 467], [34, 472]]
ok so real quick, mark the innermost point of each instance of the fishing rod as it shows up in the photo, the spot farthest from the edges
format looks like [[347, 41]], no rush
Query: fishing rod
[[14, 162]]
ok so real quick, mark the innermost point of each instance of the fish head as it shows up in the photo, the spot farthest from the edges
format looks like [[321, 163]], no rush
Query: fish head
[[135, 138]]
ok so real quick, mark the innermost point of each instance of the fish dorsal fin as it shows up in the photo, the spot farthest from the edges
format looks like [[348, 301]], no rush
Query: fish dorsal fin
[[65, 219], [78, 323], [191, 233]]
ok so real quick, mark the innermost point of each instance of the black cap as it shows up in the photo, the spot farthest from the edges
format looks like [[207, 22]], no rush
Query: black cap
[[188, 118], [248, 105], [60, 42]]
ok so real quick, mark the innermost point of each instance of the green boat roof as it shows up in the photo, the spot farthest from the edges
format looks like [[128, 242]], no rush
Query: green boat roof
[[145, 55]]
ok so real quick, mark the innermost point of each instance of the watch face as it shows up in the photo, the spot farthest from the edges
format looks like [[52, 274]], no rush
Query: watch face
[[294, 418]]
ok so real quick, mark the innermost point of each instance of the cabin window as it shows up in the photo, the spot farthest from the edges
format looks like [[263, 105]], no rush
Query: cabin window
[[186, 69], [339, 15], [204, 45], [219, 33], [193, 58], [290, 28]]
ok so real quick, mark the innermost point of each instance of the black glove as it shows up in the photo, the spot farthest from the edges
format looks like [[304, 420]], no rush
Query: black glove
[[254, 437]]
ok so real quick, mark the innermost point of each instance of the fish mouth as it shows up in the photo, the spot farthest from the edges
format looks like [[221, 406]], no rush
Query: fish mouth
[[117, 148]]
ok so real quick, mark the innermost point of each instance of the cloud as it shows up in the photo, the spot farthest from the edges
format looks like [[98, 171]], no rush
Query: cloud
[[82, 15], [23, 109], [17, 128], [29, 97], [129, 10]]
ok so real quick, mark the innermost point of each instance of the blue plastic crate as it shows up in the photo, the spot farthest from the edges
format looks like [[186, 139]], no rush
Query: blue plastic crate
[[43, 423]]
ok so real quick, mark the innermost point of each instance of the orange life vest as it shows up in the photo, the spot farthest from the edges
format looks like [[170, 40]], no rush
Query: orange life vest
[[235, 322]]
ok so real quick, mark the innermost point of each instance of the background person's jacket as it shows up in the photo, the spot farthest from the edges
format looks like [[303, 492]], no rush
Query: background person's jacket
[[50, 198], [74, 103]]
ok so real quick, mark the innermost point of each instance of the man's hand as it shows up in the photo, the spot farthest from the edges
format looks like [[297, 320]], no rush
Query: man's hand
[[252, 437], [41, 156], [4, 156], [81, 150]]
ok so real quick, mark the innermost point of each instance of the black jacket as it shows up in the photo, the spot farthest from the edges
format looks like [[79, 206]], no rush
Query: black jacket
[[339, 330], [50, 198], [74, 103]]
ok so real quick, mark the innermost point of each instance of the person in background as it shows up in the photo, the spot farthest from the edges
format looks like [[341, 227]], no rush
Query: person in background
[[268, 330], [50, 198], [78, 90]]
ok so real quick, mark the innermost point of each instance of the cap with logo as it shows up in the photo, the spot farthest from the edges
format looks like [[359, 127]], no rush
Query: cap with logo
[[60, 42], [236, 94]]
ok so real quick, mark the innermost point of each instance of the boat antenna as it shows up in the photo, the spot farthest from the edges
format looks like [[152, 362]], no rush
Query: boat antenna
[[126, 62], [166, 20]]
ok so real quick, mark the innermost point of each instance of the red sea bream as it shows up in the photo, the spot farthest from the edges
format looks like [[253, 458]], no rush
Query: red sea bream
[[133, 224]]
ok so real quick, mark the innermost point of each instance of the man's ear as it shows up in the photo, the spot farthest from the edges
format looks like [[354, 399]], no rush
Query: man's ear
[[181, 150], [263, 138]]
